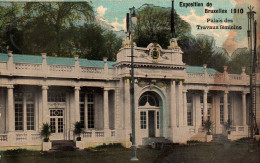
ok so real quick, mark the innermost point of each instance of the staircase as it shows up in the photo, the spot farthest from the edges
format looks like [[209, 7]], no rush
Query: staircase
[[63, 145], [219, 138], [156, 142]]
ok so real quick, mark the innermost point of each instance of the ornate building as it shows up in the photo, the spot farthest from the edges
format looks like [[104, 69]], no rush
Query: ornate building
[[172, 98]]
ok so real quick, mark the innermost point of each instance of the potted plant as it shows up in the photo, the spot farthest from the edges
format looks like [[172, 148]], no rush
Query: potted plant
[[46, 133], [228, 126], [208, 126], [77, 131]]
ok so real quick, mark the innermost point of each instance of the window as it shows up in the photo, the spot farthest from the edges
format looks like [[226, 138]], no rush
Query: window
[[202, 116], [148, 98], [30, 116], [158, 119], [56, 97], [91, 111], [82, 109], [209, 99], [189, 118], [189, 98], [209, 113], [143, 119], [53, 125], [201, 99], [82, 115], [18, 116], [229, 108], [221, 114]]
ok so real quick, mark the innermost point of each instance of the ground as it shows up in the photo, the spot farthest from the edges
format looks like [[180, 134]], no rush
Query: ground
[[197, 153]]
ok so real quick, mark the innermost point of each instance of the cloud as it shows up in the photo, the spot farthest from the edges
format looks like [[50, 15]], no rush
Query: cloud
[[101, 10], [117, 26], [230, 45]]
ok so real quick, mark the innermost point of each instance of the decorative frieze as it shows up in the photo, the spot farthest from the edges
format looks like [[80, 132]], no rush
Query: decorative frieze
[[27, 66], [91, 70], [60, 68]]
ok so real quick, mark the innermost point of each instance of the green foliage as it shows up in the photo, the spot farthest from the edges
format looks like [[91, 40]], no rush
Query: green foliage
[[228, 125], [208, 126], [45, 131], [56, 28], [77, 130], [240, 58], [154, 25], [194, 142], [110, 145]]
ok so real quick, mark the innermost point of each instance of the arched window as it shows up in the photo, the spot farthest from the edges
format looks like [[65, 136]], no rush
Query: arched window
[[148, 98]]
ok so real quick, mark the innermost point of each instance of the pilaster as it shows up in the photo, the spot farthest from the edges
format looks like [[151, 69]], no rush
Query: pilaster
[[225, 106], [173, 105], [205, 105], [184, 107], [180, 104], [244, 107], [45, 112], [106, 114], [10, 111], [76, 107]]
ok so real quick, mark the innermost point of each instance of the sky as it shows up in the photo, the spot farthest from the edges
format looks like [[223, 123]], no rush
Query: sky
[[114, 12]]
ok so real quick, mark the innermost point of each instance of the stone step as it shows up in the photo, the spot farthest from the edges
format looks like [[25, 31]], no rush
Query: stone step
[[63, 145]]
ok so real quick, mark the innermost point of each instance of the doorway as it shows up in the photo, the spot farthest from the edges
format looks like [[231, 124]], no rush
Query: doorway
[[57, 123], [151, 124]]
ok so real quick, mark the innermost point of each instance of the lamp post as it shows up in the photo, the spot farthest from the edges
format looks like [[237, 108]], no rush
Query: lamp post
[[132, 21]]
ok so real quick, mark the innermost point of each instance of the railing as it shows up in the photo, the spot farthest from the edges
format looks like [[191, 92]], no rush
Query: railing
[[87, 134], [3, 137], [238, 128], [27, 66], [21, 137], [113, 133], [99, 134], [233, 79], [91, 70], [36, 136]]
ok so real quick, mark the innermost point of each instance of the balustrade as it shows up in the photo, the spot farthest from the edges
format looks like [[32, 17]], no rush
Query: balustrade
[[3, 137], [218, 79], [21, 137]]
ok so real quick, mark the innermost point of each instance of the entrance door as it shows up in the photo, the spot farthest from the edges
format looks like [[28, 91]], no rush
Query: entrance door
[[57, 124], [151, 124]]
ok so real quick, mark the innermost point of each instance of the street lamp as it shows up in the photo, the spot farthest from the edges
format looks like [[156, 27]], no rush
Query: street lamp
[[132, 22]]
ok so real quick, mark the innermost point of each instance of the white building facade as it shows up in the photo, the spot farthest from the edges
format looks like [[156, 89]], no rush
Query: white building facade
[[172, 99]]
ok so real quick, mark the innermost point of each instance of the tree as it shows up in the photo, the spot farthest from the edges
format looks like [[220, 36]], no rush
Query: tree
[[240, 58], [154, 25], [10, 27], [56, 17]]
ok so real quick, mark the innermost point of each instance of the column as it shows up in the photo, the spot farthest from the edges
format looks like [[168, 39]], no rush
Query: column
[[11, 112], [117, 112], [24, 113], [106, 114], [184, 107], [86, 112], [127, 111], [76, 107], [225, 106], [216, 106], [173, 104], [180, 104], [45, 112], [244, 107], [197, 110], [205, 105]]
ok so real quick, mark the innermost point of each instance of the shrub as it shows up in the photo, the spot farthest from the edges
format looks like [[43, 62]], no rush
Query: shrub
[[45, 132]]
